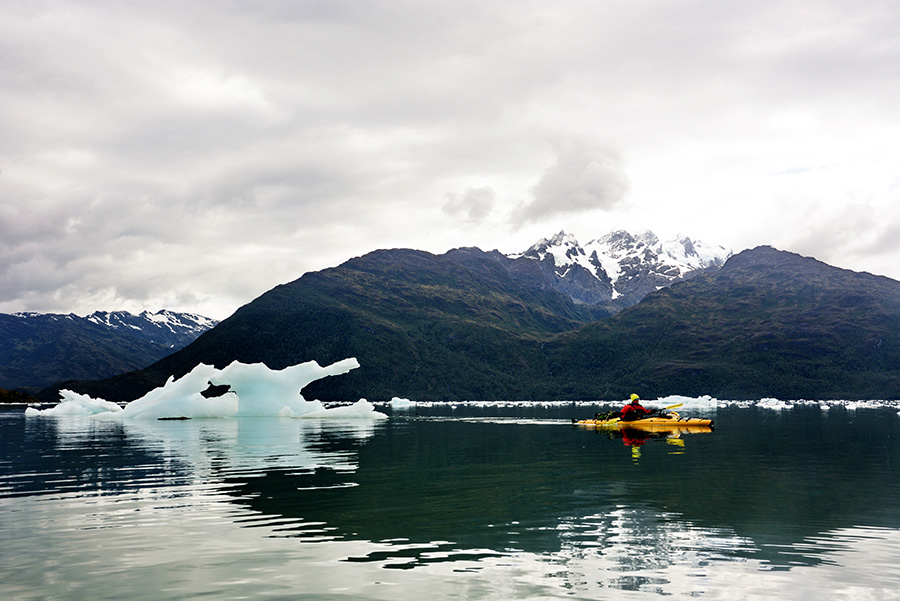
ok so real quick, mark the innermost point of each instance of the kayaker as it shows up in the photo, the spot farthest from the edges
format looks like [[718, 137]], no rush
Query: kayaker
[[633, 410]]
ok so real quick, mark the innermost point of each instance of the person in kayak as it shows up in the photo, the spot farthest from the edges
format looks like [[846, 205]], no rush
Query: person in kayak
[[633, 410]]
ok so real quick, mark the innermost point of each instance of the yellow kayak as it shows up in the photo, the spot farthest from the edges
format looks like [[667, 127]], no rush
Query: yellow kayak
[[671, 422]]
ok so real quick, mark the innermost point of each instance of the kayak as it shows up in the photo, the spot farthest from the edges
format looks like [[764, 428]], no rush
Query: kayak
[[673, 421]]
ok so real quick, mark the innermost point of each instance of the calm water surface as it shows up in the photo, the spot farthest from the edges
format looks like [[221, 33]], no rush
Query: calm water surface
[[451, 503]]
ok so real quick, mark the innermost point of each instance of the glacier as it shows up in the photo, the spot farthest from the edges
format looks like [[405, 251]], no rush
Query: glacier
[[251, 390]]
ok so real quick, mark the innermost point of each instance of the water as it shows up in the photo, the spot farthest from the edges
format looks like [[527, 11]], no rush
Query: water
[[451, 503]]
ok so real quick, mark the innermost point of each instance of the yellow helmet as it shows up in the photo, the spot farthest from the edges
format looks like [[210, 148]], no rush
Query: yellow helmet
[[634, 397]]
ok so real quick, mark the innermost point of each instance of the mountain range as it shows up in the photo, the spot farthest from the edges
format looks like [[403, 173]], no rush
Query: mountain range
[[768, 324], [38, 349], [609, 273], [476, 325]]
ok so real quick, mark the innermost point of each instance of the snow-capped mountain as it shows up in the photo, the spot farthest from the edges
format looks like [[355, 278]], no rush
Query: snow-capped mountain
[[38, 349], [168, 328], [620, 267]]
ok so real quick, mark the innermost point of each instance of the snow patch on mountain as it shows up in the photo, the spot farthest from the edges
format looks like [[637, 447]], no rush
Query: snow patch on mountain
[[174, 320], [168, 322], [674, 258], [167, 328], [622, 265]]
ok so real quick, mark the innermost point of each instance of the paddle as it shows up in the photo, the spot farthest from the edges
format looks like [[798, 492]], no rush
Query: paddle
[[662, 412]]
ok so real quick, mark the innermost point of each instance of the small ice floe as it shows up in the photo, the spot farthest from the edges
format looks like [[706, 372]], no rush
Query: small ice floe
[[398, 404], [72, 403], [774, 404], [361, 409]]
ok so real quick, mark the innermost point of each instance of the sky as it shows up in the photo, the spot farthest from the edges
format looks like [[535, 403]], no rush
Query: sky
[[162, 154]]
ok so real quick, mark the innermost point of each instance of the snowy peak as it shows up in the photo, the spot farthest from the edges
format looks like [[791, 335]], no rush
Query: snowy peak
[[169, 329], [562, 251], [621, 241], [38, 349], [174, 320], [621, 266], [168, 322], [562, 239], [695, 254], [676, 258]]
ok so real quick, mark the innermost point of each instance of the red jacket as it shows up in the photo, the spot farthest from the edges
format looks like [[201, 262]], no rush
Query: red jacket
[[632, 411]]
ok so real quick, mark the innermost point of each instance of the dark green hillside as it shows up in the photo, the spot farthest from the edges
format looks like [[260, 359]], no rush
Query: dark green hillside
[[38, 349], [33, 356], [769, 323], [464, 326], [432, 327], [14, 396]]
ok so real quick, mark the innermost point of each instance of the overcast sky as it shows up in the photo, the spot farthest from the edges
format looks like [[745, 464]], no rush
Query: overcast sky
[[191, 155]]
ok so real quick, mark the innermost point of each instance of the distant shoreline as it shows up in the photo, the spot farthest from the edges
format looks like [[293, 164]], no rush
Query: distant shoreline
[[14, 398]]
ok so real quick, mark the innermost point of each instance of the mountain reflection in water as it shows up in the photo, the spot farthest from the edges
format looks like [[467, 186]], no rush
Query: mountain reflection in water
[[766, 497], [503, 486]]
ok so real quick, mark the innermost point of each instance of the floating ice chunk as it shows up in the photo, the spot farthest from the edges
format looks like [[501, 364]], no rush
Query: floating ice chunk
[[705, 402], [398, 404], [182, 398], [72, 403], [263, 391], [360, 409], [252, 390], [775, 404]]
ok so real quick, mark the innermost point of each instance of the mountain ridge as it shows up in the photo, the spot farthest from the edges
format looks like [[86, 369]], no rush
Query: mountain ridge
[[472, 325], [39, 349], [769, 323]]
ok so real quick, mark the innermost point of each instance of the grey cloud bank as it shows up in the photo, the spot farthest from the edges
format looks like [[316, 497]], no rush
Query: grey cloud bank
[[191, 156], [582, 179]]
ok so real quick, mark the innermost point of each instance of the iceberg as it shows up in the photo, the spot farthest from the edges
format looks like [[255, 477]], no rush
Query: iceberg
[[72, 403], [398, 404], [243, 390]]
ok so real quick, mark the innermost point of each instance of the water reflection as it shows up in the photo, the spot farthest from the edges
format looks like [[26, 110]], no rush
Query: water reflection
[[545, 508], [507, 488], [635, 438], [695, 562]]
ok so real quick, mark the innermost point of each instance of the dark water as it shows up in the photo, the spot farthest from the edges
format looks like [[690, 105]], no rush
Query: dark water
[[451, 503]]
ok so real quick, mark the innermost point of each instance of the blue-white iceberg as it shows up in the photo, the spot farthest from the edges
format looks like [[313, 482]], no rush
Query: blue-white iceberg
[[252, 390]]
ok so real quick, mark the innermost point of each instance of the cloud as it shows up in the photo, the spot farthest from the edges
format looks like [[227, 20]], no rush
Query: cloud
[[584, 177], [471, 206], [862, 234], [151, 150]]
